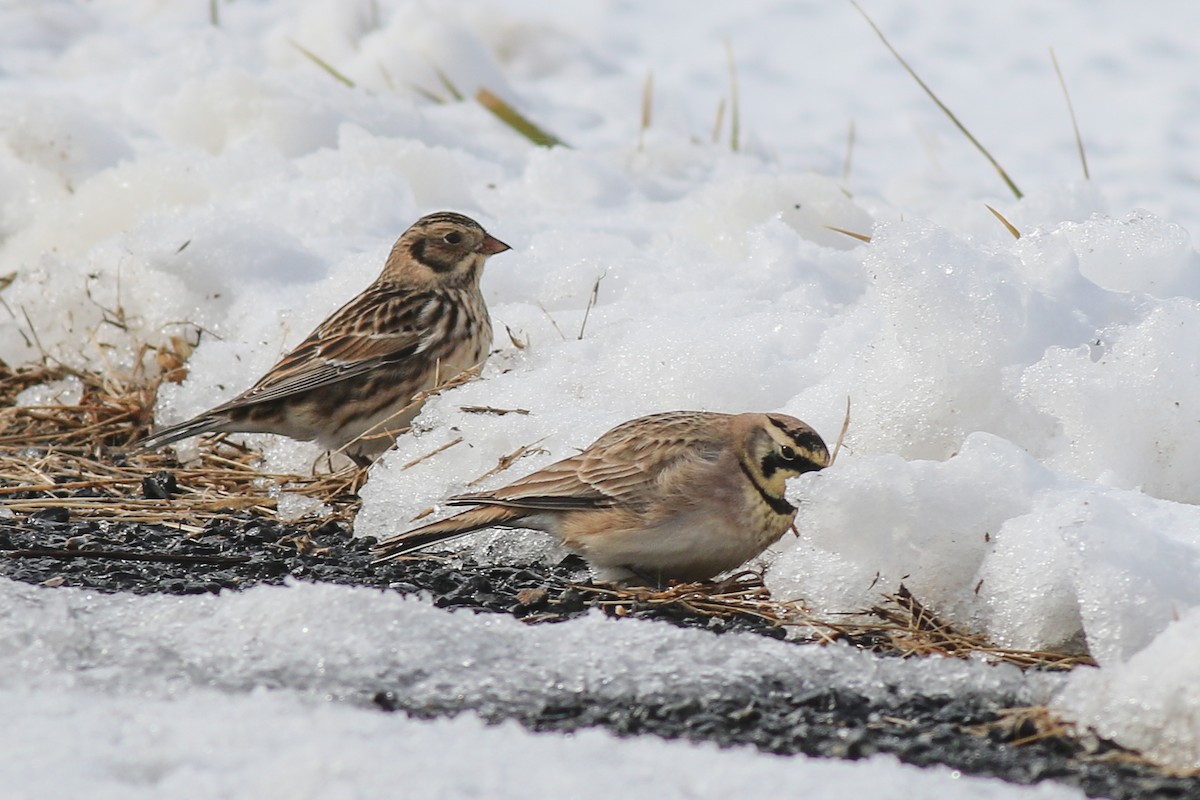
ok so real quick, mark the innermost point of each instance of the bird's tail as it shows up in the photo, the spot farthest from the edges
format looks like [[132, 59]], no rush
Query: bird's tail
[[443, 530], [205, 423]]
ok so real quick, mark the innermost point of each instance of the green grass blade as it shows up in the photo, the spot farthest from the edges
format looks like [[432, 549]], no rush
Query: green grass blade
[[447, 83], [322, 63]]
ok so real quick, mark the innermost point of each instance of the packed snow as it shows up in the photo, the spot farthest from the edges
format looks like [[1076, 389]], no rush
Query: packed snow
[[266, 693], [1025, 419]]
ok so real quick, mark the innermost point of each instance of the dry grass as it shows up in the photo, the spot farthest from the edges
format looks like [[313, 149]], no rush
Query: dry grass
[[1008, 226], [900, 624], [1026, 725], [1062, 82], [862, 237], [72, 456]]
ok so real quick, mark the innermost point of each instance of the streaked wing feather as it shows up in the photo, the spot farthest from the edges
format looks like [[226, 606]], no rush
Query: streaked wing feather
[[622, 467], [346, 345]]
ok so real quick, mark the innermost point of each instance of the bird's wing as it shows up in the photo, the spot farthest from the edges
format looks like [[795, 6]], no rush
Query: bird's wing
[[383, 325], [629, 466]]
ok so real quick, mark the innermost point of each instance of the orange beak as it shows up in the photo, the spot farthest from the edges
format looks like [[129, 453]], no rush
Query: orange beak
[[491, 245]]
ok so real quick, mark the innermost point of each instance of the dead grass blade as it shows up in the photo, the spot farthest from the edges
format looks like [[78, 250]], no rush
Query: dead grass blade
[[851, 138], [517, 341], [517, 121], [945, 110], [862, 237], [432, 453], [1016, 234], [647, 108], [1071, 111], [507, 461], [553, 322], [719, 123], [837, 446], [592, 298]]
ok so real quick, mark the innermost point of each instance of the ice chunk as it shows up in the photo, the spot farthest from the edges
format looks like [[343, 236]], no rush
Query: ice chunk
[[995, 542], [1126, 403], [1139, 253], [1148, 702], [886, 521]]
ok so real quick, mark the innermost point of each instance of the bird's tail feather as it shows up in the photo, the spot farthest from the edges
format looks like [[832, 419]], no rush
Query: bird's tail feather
[[204, 423], [443, 530]]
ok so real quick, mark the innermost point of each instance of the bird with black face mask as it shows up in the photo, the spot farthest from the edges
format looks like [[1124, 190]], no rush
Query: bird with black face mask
[[682, 495]]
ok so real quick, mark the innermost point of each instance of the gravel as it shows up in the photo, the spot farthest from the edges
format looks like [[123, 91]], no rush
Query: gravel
[[246, 550]]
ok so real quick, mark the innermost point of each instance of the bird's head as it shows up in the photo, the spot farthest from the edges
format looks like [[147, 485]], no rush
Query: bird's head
[[443, 248], [777, 447]]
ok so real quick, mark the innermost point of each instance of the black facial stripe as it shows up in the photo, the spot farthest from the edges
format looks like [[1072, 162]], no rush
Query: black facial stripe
[[429, 257], [778, 423], [770, 463], [798, 465], [807, 442], [777, 504], [805, 439]]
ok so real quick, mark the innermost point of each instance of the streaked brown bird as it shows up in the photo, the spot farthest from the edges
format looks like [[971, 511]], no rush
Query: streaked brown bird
[[682, 495], [352, 383]]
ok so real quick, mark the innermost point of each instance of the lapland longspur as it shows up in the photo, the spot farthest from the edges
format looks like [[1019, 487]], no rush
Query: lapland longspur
[[680, 495], [352, 382]]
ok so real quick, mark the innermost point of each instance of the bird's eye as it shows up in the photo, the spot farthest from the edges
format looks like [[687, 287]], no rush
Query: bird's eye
[[788, 453], [453, 237]]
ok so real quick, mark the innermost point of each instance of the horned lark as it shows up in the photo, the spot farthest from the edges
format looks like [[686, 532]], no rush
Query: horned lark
[[352, 382], [681, 495]]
